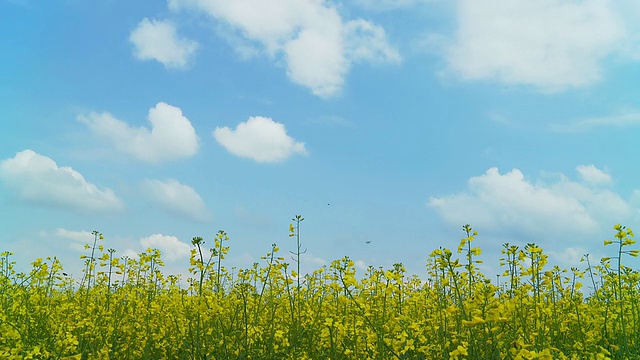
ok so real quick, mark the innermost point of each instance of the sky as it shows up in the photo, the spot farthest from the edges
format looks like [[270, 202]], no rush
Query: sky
[[386, 124]]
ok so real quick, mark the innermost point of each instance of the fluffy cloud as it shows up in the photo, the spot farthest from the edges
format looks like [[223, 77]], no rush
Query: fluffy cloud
[[550, 44], [509, 204], [38, 179], [176, 199], [317, 45], [171, 247], [158, 40], [171, 136], [260, 139], [316, 59]]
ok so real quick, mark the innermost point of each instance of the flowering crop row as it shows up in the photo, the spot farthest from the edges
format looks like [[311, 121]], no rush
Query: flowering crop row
[[128, 309]]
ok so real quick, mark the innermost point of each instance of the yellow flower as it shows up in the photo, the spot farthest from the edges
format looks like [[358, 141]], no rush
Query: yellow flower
[[474, 321], [459, 351]]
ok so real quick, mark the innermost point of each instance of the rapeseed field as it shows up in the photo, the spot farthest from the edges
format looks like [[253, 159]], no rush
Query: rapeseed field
[[125, 308]]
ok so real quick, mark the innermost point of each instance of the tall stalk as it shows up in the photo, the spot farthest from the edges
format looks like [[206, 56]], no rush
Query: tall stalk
[[624, 238], [294, 230]]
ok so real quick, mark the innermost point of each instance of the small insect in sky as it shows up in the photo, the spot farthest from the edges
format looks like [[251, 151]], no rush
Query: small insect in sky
[[368, 241]]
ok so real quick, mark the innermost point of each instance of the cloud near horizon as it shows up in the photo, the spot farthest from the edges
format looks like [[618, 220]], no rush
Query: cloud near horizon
[[260, 139], [37, 179], [76, 239], [510, 204], [171, 136], [170, 247], [317, 45]]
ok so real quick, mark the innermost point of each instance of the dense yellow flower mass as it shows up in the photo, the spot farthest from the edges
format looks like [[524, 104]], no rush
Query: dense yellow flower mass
[[126, 308]]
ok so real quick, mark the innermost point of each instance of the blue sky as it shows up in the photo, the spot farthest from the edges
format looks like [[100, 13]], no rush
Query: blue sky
[[394, 122]]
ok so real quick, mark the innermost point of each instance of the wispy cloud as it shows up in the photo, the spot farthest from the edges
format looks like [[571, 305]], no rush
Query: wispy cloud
[[176, 199], [77, 239], [171, 135], [571, 256], [618, 121], [158, 40], [500, 118], [386, 5], [260, 139], [37, 179], [315, 260], [250, 218], [592, 175]]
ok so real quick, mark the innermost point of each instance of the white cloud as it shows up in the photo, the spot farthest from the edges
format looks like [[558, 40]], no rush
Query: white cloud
[[551, 44], [314, 41], [260, 139], [158, 40], [510, 204], [176, 199], [170, 247], [171, 136], [38, 179], [316, 59], [619, 121], [593, 175]]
